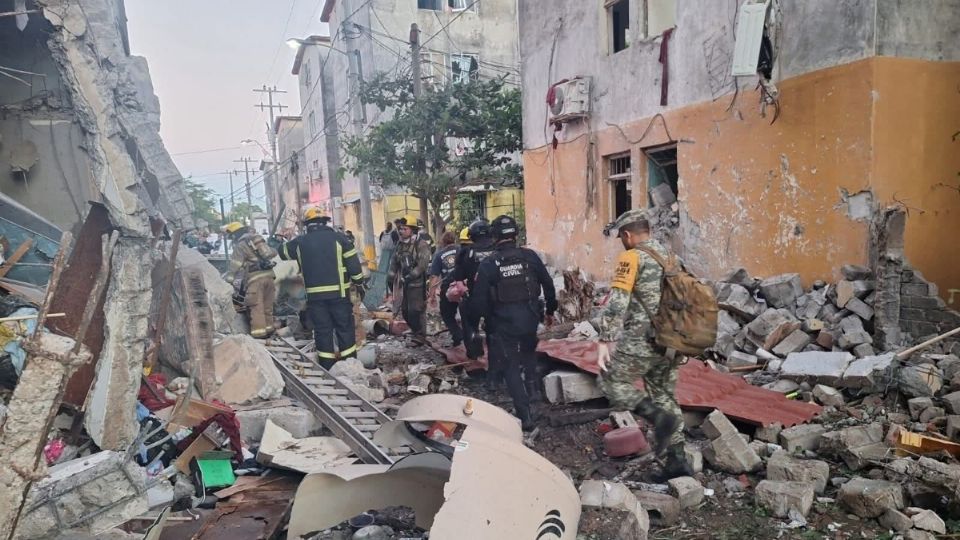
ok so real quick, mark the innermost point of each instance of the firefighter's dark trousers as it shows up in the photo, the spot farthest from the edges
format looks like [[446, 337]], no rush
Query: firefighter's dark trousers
[[333, 317]]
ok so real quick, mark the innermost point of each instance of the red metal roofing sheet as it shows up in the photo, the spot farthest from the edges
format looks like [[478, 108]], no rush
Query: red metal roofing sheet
[[700, 387]]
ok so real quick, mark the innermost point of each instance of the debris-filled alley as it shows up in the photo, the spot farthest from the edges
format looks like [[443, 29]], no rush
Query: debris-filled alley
[[622, 269]]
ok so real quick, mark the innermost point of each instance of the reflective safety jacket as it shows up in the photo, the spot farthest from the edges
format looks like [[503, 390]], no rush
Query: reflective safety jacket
[[250, 259], [328, 262]]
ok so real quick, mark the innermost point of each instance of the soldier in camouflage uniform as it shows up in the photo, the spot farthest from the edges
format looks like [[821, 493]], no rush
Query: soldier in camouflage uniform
[[634, 294], [410, 263], [250, 271]]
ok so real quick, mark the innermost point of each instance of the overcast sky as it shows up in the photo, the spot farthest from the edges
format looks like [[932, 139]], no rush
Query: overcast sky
[[206, 57]]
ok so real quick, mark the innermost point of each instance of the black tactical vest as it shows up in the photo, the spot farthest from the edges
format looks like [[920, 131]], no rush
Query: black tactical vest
[[517, 282]]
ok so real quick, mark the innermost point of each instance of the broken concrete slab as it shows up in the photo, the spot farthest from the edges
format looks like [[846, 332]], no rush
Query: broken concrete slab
[[854, 272], [920, 404], [783, 466], [849, 290], [851, 324], [602, 494], [855, 445], [571, 387], [828, 395], [694, 457], [860, 308], [816, 367], [727, 330], [895, 520], [825, 339], [863, 350], [280, 449], [244, 371], [930, 413], [370, 384], [849, 340], [226, 320], [871, 373], [868, 498], [952, 429], [950, 401], [662, 509], [687, 490], [917, 534], [768, 433], [795, 342], [782, 291], [803, 436], [741, 359], [730, 453], [781, 497], [93, 494], [920, 380], [926, 520], [925, 469]]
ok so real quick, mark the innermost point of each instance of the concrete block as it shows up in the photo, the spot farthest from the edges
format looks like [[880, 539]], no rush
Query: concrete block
[[870, 373], [694, 457], [769, 329], [717, 425], [782, 386], [795, 342], [687, 490], [299, 422], [860, 308], [921, 380], [602, 494], [920, 404], [951, 402], [663, 509], [927, 520], [825, 339], [854, 272], [868, 498], [739, 276], [953, 427], [851, 324], [827, 395], [781, 291], [855, 445], [785, 467], [803, 436], [864, 350], [949, 364], [816, 367], [930, 413], [815, 300], [571, 387], [813, 326], [782, 497], [727, 330], [741, 359], [895, 520], [768, 433], [848, 290], [730, 453], [850, 340], [244, 371], [737, 299]]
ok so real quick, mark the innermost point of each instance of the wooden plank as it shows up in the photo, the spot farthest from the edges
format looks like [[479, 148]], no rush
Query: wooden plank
[[15, 258]]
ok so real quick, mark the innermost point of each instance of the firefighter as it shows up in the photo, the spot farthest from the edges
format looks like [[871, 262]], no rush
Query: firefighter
[[507, 295], [410, 264], [250, 271], [330, 267], [441, 273]]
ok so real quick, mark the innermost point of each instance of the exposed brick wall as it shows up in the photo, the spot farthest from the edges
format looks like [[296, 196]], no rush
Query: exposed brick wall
[[922, 311]]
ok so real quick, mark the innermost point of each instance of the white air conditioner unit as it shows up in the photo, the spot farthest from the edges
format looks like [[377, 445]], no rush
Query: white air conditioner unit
[[570, 99]]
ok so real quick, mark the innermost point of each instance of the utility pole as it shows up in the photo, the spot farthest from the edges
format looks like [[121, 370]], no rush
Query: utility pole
[[417, 91], [232, 200], [246, 169], [356, 75], [273, 141]]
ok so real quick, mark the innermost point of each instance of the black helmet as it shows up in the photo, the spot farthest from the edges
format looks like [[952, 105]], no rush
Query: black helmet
[[504, 227], [479, 229]]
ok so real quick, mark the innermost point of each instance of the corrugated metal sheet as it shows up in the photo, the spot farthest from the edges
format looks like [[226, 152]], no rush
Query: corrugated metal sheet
[[746, 49], [702, 388]]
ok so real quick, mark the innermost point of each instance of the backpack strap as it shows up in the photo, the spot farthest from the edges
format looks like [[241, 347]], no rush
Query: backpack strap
[[670, 266]]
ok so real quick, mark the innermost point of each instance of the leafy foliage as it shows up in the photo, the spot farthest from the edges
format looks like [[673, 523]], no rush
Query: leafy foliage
[[411, 149], [244, 212], [205, 204]]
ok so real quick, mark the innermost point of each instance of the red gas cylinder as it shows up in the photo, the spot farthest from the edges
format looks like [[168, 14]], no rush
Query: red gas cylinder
[[625, 442]]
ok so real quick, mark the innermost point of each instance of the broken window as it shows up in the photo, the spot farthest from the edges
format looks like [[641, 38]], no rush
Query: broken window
[[618, 17], [662, 174], [313, 124], [464, 67], [433, 69], [463, 5], [621, 188], [661, 16], [435, 5]]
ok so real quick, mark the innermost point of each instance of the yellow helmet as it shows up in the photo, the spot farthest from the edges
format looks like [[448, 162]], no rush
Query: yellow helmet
[[312, 214], [233, 227], [410, 221], [465, 234]]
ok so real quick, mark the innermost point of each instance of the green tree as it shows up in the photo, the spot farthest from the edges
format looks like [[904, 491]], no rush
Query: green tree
[[204, 202], [411, 149], [244, 212]]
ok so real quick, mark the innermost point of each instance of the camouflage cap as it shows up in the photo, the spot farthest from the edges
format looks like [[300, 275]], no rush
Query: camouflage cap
[[630, 216]]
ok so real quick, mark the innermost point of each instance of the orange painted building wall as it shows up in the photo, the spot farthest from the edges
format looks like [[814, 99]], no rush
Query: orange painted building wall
[[772, 198]]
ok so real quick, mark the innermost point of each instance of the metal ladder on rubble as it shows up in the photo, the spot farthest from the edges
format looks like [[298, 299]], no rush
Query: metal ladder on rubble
[[351, 418]]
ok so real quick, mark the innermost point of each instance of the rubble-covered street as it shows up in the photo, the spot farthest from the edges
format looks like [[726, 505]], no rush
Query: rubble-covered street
[[422, 310]]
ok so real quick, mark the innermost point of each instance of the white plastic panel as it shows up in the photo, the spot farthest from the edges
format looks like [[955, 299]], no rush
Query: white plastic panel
[[746, 49]]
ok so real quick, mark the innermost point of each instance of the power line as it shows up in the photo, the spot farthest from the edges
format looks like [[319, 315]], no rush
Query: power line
[[444, 27], [208, 151]]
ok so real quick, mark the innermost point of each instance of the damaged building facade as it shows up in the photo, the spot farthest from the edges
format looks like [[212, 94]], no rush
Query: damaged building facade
[[80, 145], [859, 114]]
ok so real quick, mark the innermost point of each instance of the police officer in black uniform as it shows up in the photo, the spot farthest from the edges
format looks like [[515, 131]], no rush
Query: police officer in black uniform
[[468, 262], [507, 296], [330, 266]]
